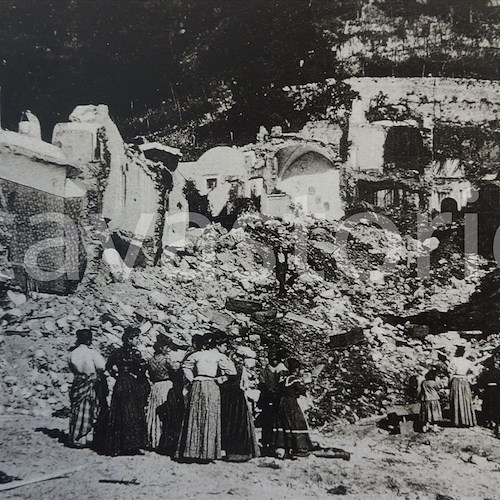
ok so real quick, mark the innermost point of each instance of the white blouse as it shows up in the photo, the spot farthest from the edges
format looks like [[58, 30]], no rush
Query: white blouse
[[86, 361], [205, 365], [460, 366]]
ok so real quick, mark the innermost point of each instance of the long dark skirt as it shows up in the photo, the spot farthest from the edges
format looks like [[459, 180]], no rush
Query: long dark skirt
[[101, 425], [462, 409], [290, 427], [238, 430], [127, 429], [267, 403], [200, 438], [171, 414], [491, 404]]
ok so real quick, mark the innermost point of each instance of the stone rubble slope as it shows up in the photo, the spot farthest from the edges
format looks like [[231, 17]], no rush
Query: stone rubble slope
[[187, 294]]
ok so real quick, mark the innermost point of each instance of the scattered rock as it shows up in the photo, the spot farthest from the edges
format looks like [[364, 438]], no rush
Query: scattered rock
[[337, 490]]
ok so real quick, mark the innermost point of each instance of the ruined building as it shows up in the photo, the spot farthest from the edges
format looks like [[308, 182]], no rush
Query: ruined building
[[420, 142], [418, 139], [129, 190], [88, 178], [221, 174], [425, 143]]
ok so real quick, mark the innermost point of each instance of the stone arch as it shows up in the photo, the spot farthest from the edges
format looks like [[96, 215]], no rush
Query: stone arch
[[288, 155], [309, 176]]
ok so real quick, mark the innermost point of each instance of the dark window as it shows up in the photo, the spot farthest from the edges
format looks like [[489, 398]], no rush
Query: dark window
[[212, 183], [404, 148], [97, 150]]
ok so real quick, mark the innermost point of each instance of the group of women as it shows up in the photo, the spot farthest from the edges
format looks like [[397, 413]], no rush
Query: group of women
[[189, 405], [462, 411]]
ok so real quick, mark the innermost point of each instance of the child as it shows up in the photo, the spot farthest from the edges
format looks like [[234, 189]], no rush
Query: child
[[291, 433], [430, 407]]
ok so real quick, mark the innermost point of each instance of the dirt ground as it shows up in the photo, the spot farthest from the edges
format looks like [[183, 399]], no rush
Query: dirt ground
[[456, 463]]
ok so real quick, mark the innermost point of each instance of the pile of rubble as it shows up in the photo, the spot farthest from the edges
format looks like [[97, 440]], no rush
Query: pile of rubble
[[197, 288]]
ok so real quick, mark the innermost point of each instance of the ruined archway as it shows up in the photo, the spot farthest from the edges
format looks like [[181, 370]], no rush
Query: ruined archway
[[311, 179]]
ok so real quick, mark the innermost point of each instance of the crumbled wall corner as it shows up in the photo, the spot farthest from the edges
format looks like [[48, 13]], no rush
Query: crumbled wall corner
[[101, 179]]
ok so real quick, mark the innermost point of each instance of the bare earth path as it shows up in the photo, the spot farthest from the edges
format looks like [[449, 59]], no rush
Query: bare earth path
[[382, 466]]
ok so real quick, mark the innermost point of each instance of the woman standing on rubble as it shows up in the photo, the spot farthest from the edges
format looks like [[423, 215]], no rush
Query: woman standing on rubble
[[461, 405], [127, 430], [200, 439], [430, 407], [489, 383]]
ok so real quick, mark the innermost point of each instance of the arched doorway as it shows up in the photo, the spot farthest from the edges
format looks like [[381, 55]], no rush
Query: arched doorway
[[449, 205], [311, 180]]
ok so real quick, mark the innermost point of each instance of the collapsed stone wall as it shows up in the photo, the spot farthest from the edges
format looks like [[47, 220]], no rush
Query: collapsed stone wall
[[390, 128], [124, 188]]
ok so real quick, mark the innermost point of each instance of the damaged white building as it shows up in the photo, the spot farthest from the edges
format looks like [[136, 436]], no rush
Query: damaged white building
[[87, 177], [135, 189]]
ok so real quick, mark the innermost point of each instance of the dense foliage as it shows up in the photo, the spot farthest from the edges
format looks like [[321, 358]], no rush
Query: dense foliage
[[215, 65]]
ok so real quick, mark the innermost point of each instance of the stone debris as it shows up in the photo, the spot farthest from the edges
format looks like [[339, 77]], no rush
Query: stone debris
[[305, 321], [221, 280]]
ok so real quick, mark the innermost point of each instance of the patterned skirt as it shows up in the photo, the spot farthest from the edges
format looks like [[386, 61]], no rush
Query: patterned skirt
[[127, 429], [430, 412], [462, 409], [200, 438], [84, 409], [290, 430], [157, 397]]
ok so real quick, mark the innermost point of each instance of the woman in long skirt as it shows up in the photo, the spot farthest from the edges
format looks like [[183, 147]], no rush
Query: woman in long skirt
[[238, 431], [291, 432], [160, 368], [200, 439], [171, 414], [89, 382], [461, 405], [127, 430], [268, 400]]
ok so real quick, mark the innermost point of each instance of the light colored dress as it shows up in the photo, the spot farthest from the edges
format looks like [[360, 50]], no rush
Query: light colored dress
[[461, 406], [200, 438]]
